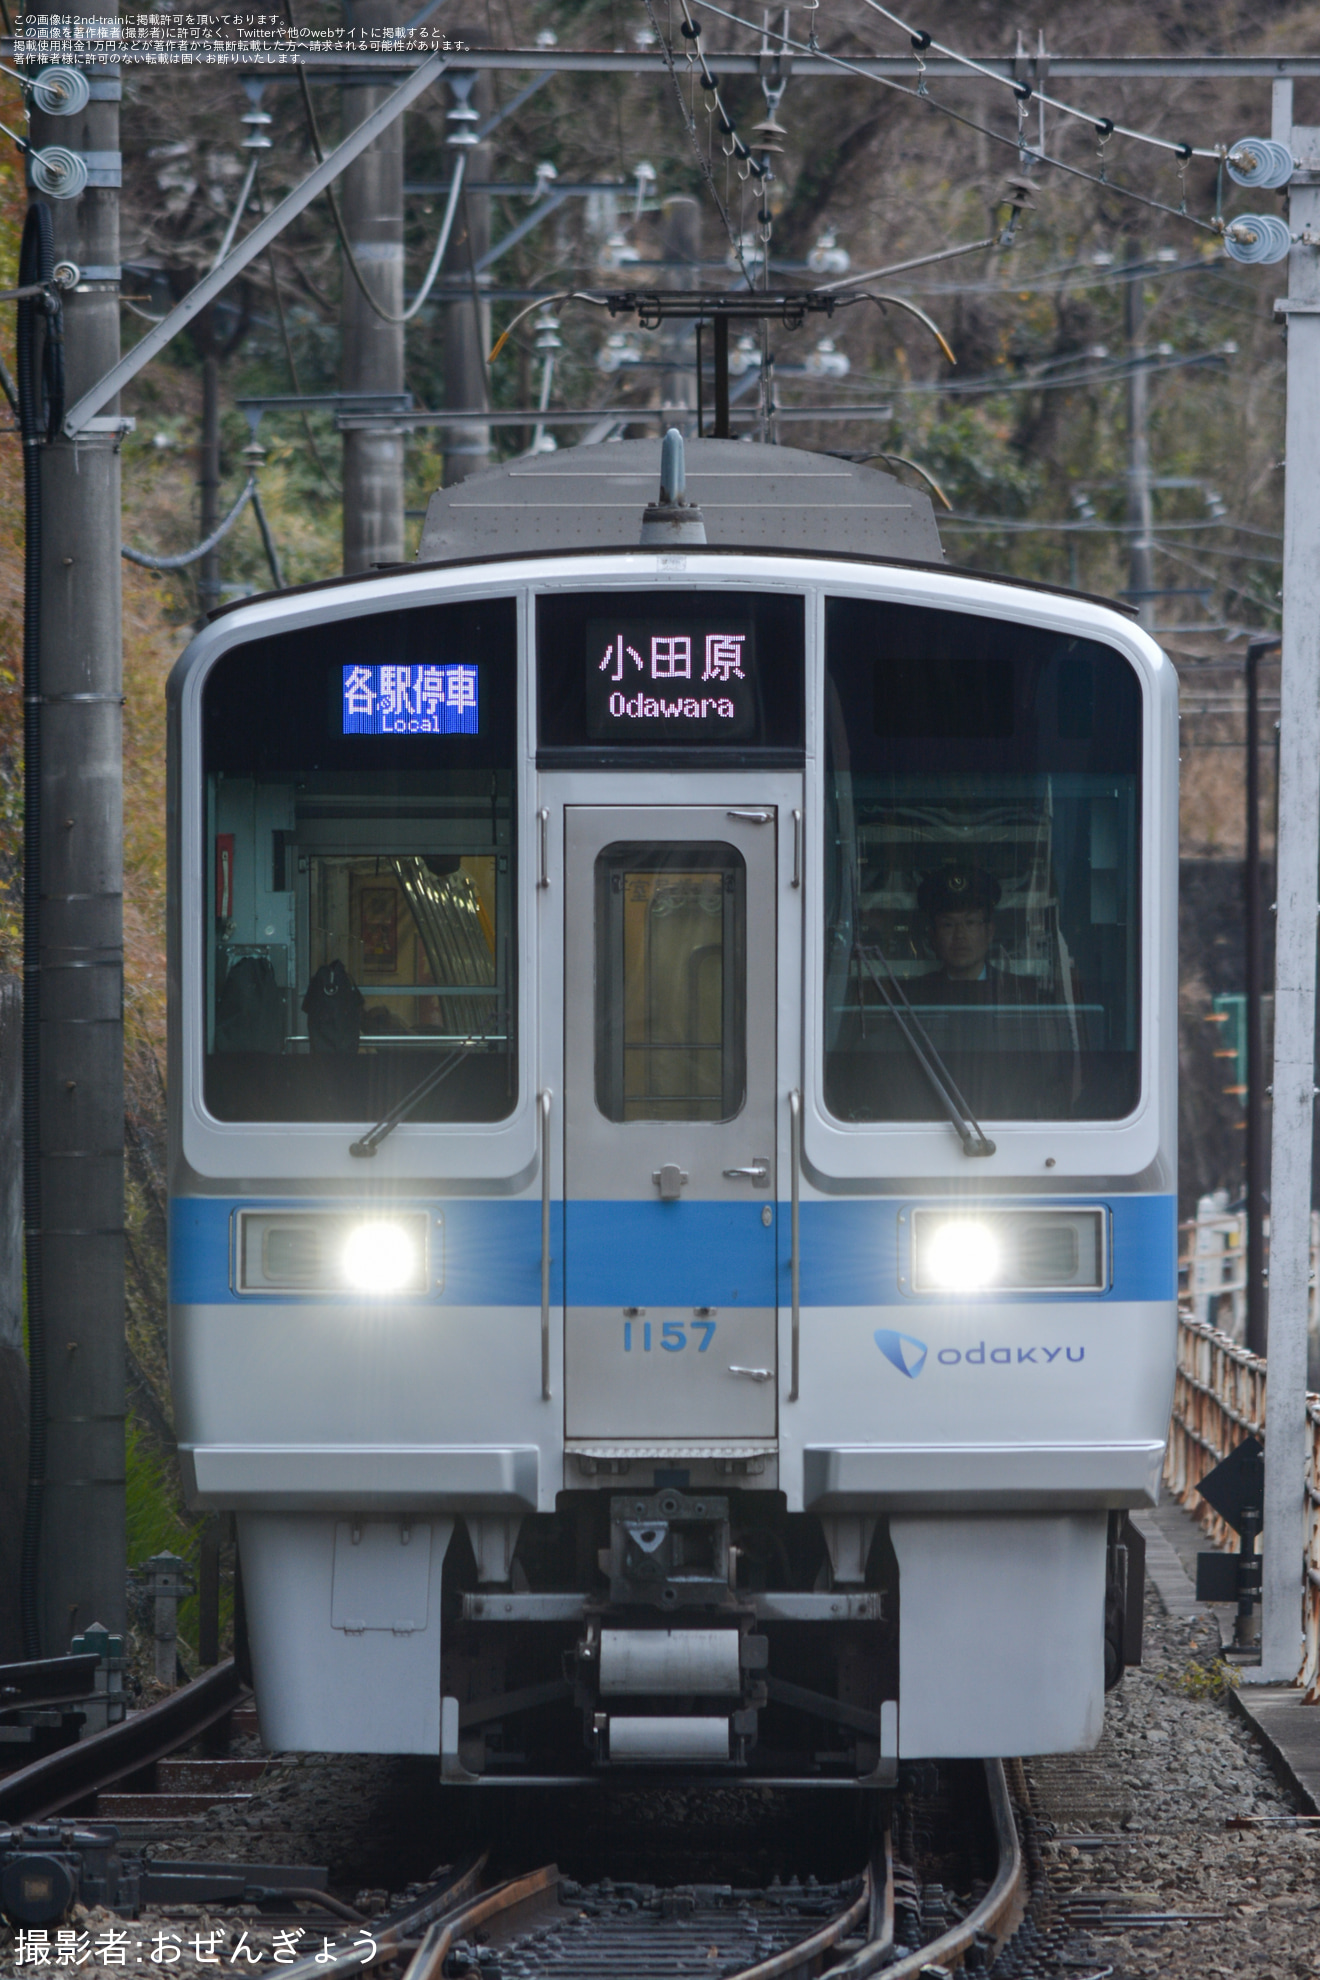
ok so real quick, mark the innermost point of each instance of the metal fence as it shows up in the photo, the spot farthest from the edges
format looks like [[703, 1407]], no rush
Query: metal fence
[[1218, 1399], [1212, 1268]]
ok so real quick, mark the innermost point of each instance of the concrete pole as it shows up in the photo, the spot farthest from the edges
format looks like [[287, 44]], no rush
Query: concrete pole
[[13, 1364], [80, 1050], [208, 481], [681, 239], [1138, 494], [371, 201], [1295, 946], [467, 321]]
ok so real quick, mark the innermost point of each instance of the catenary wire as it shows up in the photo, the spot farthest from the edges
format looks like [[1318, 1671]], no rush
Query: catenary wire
[[968, 123], [1106, 126], [735, 240], [442, 242]]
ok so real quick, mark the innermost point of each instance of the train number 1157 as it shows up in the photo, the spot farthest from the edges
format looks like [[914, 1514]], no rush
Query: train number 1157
[[673, 1335]]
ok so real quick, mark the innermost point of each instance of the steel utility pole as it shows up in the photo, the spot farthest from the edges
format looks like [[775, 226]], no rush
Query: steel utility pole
[[1255, 946], [76, 1250], [373, 348], [467, 322], [1295, 938], [1138, 491]]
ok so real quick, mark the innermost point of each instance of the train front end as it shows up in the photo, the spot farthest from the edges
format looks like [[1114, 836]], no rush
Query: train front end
[[672, 1121]]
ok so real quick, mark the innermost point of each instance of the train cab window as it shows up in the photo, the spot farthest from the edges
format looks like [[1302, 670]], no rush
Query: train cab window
[[360, 867], [670, 982], [982, 867]]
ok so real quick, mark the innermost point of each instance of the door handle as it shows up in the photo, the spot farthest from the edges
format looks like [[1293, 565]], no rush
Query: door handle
[[753, 1374], [543, 1109], [752, 817], [757, 1171]]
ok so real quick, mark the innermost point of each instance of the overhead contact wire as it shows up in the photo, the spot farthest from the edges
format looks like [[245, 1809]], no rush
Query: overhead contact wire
[[1106, 126], [789, 43], [735, 240]]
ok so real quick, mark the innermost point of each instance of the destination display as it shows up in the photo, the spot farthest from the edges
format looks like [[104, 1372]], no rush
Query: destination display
[[421, 700], [675, 678], [664, 674]]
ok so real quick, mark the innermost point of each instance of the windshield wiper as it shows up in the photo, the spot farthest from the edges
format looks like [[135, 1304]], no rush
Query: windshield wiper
[[974, 1139], [401, 1109]]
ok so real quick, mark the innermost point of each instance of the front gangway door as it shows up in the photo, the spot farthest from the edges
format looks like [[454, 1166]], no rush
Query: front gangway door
[[669, 1121]]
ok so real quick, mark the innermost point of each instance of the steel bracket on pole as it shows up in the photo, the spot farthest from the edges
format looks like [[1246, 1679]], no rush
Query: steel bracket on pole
[[80, 416]]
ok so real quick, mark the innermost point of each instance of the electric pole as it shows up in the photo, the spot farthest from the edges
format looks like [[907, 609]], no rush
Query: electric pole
[[467, 321], [1293, 1125], [373, 351], [74, 980], [1140, 521], [681, 240]]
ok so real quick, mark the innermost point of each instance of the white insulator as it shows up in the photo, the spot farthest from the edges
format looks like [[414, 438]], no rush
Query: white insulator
[[61, 91], [1256, 237], [1260, 162], [58, 172], [827, 361], [617, 253], [745, 356], [827, 257], [686, 1663], [462, 118]]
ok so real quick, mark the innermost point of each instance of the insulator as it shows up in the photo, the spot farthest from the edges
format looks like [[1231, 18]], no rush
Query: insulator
[[1260, 162], [61, 91], [58, 172], [769, 135], [690, 30], [462, 117], [1257, 237]]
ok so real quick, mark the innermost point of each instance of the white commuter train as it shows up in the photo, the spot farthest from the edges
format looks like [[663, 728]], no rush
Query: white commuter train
[[673, 1233]]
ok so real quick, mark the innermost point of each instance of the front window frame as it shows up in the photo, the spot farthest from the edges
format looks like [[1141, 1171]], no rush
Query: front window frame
[[884, 1154], [500, 1153]]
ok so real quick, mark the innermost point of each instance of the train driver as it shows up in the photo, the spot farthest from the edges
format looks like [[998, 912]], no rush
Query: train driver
[[959, 904]]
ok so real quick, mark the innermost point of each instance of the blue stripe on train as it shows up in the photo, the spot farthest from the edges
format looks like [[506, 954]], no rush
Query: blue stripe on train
[[671, 1254]]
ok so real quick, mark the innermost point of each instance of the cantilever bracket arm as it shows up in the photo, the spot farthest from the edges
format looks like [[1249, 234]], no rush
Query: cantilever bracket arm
[[80, 415]]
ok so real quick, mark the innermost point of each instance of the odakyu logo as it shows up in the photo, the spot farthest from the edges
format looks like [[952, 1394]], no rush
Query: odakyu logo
[[908, 1355]]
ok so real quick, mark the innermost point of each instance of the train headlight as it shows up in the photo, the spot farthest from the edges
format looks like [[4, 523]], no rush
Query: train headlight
[[379, 1257], [1029, 1250], [960, 1255]]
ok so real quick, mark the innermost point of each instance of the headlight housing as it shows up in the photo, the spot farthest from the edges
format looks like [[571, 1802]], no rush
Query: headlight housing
[[377, 1254], [1027, 1250]]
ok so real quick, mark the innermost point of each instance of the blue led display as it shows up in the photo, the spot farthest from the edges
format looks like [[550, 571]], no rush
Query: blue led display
[[410, 701]]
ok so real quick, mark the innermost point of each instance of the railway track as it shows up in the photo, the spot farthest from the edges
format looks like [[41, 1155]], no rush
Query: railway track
[[93, 1800]]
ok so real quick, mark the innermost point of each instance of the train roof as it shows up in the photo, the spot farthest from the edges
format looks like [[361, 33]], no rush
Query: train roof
[[753, 497]]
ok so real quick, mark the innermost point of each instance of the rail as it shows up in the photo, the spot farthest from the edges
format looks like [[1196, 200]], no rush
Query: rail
[[1218, 1399], [70, 1774], [993, 1918]]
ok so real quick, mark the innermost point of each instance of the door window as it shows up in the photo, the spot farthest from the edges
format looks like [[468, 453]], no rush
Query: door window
[[670, 982]]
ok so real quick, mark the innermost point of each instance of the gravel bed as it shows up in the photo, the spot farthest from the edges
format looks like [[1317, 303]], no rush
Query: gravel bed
[[1174, 1765]]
